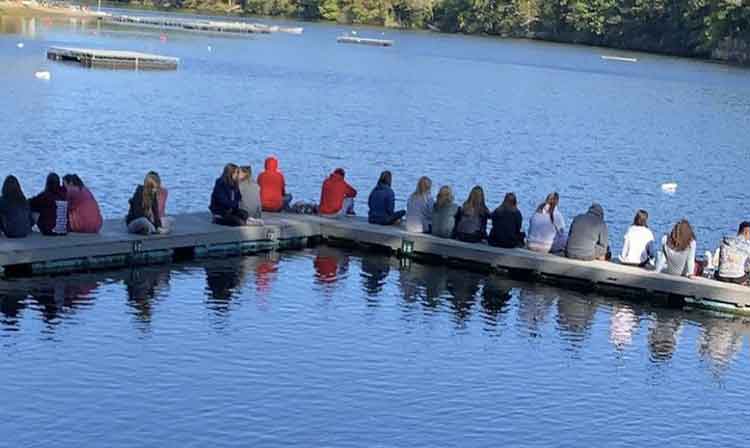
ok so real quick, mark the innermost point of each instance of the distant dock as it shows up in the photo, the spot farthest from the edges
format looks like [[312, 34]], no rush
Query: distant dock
[[112, 59], [197, 25], [195, 237], [364, 41]]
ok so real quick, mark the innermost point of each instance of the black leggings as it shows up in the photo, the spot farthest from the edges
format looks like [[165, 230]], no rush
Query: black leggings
[[233, 218]]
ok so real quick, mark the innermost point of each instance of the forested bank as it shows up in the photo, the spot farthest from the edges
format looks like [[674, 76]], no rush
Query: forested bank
[[717, 29]]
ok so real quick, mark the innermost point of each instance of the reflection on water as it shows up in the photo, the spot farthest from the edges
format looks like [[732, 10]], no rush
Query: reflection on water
[[422, 333], [664, 335], [143, 286], [535, 310]]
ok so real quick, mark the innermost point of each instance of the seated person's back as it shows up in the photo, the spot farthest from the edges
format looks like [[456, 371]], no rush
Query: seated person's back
[[734, 256], [588, 239], [272, 186]]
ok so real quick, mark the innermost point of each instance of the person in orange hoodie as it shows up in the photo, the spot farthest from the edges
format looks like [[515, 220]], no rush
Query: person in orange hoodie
[[273, 196], [337, 196]]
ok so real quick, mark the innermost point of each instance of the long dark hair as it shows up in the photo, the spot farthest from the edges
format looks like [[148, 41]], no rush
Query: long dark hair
[[552, 200], [681, 236], [12, 191], [53, 183], [641, 218], [230, 170], [510, 202], [74, 180], [385, 178]]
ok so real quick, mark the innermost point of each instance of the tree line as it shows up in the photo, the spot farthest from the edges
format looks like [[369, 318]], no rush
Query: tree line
[[718, 29]]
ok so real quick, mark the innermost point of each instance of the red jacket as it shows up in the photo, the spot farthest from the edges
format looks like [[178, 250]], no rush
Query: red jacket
[[332, 195], [272, 186]]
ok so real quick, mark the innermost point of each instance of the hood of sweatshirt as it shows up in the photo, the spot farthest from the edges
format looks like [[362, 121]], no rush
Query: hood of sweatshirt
[[596, 210], [272, 164], [336, 176]]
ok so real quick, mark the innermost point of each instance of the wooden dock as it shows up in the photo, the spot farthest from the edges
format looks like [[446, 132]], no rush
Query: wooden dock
[[195, 237], [364, 41], [112, 59], [196, 25]]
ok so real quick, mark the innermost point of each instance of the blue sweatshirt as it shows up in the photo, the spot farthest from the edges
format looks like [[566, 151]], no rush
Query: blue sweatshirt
[[382, 202], [224, 198]]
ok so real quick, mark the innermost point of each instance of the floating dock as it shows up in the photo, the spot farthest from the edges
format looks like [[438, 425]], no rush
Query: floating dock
[[112, 59], [196, 25], [364, 41], [195, 237]]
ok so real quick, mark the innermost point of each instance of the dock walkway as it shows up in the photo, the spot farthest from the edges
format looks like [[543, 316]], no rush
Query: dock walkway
[[198, 25], [195, 237]]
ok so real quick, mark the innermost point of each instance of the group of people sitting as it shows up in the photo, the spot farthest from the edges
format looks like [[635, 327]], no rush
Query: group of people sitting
[[238, 200], [586, 239], [63, 206]]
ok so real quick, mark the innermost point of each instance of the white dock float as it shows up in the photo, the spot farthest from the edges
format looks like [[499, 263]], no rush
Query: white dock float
[[112, 59], [364, 41], [195, 237]]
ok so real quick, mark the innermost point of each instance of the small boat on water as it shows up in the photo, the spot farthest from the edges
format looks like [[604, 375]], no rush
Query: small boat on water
[[346, 39]]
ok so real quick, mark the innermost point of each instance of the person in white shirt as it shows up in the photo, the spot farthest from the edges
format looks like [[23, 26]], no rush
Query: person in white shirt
[[639, 248], [547, 227], [419, 207]]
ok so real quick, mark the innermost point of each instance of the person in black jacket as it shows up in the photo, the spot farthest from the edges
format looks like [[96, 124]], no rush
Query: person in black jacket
[[15, 212], [143, 215], [225, 199], [52, 207], [507, 222]]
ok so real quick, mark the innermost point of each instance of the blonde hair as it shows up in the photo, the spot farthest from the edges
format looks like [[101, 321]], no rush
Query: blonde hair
[[475, 202], [151, 186], [246, 172], [423, 186], [444, 197]]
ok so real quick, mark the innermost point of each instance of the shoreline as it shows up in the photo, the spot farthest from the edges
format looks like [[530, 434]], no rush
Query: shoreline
[[18, 9]]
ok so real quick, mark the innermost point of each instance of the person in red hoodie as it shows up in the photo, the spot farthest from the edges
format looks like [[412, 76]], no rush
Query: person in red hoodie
[[337, 196], [273, 195]]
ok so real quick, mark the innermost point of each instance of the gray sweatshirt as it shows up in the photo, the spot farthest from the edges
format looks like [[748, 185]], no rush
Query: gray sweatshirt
[[673, 262], [588, 238], [250, 198], [444, 220]]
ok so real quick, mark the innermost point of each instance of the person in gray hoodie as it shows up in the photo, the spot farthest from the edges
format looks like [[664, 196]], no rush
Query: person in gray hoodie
[[249, 193], [588, 239]]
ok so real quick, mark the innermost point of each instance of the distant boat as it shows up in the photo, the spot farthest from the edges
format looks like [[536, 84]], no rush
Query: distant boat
[[43, 75], [669, 187], [619, 58]]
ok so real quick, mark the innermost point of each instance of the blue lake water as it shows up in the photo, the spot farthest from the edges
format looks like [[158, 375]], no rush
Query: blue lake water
[[328, 347]]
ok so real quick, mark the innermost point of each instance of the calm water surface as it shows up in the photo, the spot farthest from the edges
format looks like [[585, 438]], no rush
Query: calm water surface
[[332, 348]]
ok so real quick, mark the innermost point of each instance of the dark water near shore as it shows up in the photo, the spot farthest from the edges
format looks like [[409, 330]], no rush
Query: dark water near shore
[[351, 349]]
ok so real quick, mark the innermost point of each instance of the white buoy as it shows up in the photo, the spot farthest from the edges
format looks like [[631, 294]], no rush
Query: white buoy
[[210, 49], [669, 187], [354, 32], [43, 75], [19, 45]]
